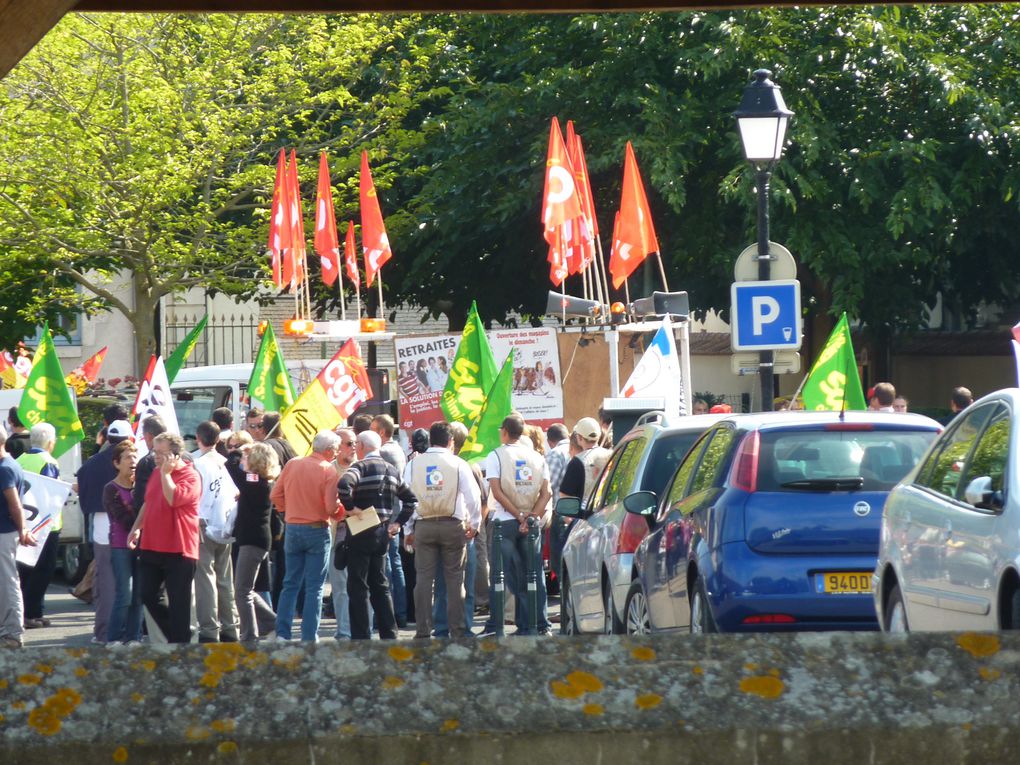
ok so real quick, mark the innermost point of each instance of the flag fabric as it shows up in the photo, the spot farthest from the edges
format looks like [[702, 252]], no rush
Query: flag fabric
[[483, 436], [472, 373], [47, 398], [374, 241], [270, 382], [279, 230], [635, 236], [586, 226], [80, 377], [351, 255], [181, 353], [560, 204], [46, 497], [833, 383], [326, 243], [335, 393], [154, 398], [293, 272], [657, 374], [10, 375]]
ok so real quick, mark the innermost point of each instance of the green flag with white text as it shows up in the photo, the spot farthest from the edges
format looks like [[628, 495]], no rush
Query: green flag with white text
[[176, 359], [270, 383], [471, 375], [483, 435], [833, 383], [48, 399]]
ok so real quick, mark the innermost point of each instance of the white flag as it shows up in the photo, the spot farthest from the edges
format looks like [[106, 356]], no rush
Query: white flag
[[657, 374], [43, 501], [154, 397]]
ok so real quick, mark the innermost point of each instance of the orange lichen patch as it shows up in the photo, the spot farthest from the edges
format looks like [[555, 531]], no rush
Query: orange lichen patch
[[29, 679], [225, 725], [450, 725], [348, 729], [80, 672], [147, 664], [137, 697], [44, 721], [197, 733], [3, 684], [44, 669], [593, 709], [223, 657], [643, 653], [392, 682], [774, 672], [120, 754], [751, 667], [565, 690], [978, 645], [227, 747], [75, 653], [291, 663], [17, 706], [766, 686], [400, 653], [698, 671], [586, 681], [254, 659], [987, 673], [967, 726], [63, 702], [210, 679], [648, 701], [488, 645]]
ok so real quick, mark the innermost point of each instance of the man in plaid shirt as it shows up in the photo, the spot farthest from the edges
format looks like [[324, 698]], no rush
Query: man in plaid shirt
[[557, 459], [373, 482]]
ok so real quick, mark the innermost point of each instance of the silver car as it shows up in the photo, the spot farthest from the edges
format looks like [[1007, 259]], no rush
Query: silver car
[[949, 557], [599, 552]]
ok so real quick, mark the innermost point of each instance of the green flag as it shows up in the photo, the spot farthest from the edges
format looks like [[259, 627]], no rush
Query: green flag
[[483, 436], [833, 383], [176, 359], [472, 373], [270, 383], [48, 399]]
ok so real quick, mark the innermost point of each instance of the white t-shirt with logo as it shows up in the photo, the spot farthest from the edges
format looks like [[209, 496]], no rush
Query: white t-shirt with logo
[[492, 470]]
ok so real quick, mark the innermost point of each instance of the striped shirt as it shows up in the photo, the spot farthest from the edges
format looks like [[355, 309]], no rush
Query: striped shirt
[[373, 482]]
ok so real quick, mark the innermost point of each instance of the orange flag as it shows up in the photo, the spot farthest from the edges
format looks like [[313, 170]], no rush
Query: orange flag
[[560, 203], [559, 266], [374, 241], [351, 254], [588, 228], [277, 216], [326, 243], [294, 258], [635, 236], [90, 369]]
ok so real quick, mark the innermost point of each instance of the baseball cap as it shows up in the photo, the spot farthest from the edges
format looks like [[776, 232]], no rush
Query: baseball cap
[[588, 428], [119, 429]]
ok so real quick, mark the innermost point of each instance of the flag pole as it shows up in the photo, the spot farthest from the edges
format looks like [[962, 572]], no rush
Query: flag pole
[[340, 286], [602, 267], [800, 388], [382, 305], [662, 271]]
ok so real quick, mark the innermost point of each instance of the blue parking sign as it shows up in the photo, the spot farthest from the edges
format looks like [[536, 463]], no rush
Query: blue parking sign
[[765, 316]]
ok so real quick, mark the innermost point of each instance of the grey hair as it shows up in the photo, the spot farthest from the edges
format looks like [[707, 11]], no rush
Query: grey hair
[[325, 439], [42, 435], [369, 440]]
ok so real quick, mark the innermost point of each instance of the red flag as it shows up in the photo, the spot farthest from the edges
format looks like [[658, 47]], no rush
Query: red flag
[[277, 216], [635, 237], [588, 229], [351, 254], [90, 369], [326, 243], [374, 241], [559, 203], [294, 260], [559, 266]]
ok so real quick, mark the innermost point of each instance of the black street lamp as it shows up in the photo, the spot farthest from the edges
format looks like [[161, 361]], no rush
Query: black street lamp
[[762, 118]]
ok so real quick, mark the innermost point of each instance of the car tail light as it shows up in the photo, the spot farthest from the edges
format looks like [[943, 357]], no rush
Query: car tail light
[[633, 529], [850, 426], [745, 467], [769, 619]]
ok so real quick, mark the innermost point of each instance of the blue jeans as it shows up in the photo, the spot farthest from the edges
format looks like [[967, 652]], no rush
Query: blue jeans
[[126, 616], [394, 570], [514, 546], [439, 626], [307, 550]]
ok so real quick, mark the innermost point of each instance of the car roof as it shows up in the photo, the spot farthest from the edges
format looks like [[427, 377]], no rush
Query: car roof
[[1003, 394], [239, 372], [786, 419], [667, 426]]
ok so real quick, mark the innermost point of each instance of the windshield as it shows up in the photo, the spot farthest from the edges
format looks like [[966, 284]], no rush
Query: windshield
[[665, 456]]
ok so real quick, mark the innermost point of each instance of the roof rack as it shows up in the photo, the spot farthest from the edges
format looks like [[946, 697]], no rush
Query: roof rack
[[647, 417]]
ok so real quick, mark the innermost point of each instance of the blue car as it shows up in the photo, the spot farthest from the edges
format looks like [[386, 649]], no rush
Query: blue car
[[771, 522]]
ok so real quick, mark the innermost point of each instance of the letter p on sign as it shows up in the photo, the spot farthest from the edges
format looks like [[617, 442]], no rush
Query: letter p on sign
[[764, 310], [765, 315]]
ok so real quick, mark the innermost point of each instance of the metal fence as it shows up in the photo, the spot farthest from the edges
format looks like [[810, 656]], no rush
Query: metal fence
[[227, 339]]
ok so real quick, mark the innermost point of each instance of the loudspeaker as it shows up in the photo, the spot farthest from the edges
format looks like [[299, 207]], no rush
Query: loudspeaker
[[558, 305], [661, 303], [380, 381]]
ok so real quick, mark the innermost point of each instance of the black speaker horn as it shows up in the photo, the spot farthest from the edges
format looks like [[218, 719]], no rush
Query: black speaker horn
[[560, 305]]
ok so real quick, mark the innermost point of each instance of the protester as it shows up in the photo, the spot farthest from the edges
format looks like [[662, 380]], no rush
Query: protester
[[223, 416], [253, 422], [700, 406], [268, 431], [18, 440], [13, 532], [306, 494], [253, 538], [372, 482], [419, 441], [152, 426], [446, 520], [168, 528], [519, 490], [900, 404], [881, 397], [584, 469], [361, 423], [125, 625], [383, 425], [557, 459], [338, 576], [36, 579], [477, 573], [272, 435], [214, 577], [960, 399]]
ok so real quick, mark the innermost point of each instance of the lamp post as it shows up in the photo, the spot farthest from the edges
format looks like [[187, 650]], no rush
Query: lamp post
[[762, 118]]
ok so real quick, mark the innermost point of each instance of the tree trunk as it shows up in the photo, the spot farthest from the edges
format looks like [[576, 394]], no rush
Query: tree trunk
[[144, 328]]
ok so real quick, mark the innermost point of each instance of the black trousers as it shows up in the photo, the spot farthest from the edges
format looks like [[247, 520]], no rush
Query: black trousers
[[177, 573], [366, 580], [35, 580]]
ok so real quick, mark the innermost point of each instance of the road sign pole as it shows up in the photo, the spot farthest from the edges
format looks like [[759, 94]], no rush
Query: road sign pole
[[764, 274]]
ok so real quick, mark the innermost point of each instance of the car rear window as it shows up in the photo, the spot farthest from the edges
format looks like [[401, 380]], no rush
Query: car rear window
[[665, 455], [826, 460]]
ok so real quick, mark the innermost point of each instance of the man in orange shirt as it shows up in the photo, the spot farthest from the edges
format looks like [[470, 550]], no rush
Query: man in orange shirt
[[306, 494]]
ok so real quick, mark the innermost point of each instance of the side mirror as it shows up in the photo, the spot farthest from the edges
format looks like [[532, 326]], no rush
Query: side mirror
[[568, 507], [641, 503], [980, 494]]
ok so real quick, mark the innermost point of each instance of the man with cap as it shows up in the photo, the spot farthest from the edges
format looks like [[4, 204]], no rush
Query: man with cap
[[589, 458]]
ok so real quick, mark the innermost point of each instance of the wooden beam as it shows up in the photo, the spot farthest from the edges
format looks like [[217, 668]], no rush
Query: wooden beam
[[23, 23], [425, 6]]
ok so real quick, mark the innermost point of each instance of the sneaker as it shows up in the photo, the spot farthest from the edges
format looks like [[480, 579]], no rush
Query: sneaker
[[487, 632], [11, 642], [545, 632], [33, 624], [97, 641]]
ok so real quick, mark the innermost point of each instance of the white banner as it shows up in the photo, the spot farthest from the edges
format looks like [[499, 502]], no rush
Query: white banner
[[43, 500], [154, 397]]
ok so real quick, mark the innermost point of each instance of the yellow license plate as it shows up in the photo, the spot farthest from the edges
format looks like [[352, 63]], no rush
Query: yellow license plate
[[844, 582]]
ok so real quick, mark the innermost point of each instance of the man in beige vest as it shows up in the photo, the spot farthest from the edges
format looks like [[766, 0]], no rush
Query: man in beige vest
[[519, 482], [447, 517]]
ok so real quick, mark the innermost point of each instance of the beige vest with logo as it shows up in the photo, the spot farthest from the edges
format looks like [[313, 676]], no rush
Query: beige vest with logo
[[435, 481], [520, 475], [594, 460]]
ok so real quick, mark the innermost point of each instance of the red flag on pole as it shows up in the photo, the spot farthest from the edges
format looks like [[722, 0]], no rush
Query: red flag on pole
[[374, 241], [90, 369], [635, 236], [559, 202], [277, 216], [351, 254], [326, 243], [294, 262], [586, 233]]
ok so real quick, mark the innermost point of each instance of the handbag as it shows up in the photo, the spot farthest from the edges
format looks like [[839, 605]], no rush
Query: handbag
[[342, 548]]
